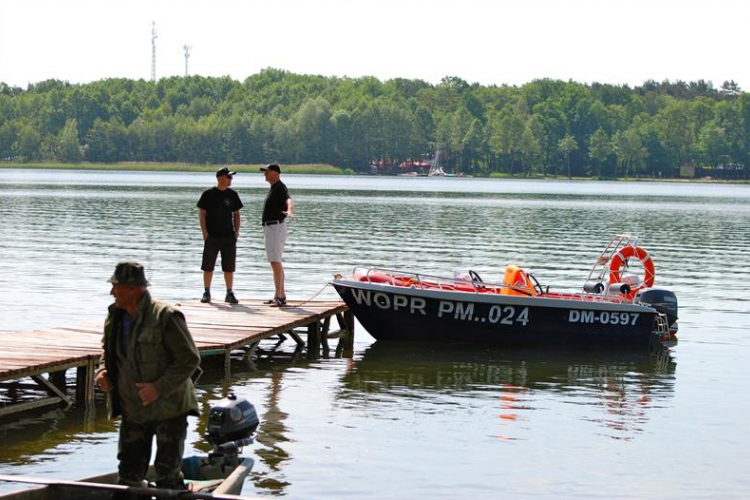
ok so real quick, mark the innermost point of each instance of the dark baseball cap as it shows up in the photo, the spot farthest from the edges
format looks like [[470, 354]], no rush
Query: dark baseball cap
[[129, 273], [225, 171], [272, 166]]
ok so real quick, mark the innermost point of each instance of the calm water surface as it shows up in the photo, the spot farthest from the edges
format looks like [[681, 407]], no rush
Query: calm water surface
[[414, 421]]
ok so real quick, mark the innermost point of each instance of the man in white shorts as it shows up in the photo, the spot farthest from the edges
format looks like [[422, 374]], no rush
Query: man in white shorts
[[277, 207]]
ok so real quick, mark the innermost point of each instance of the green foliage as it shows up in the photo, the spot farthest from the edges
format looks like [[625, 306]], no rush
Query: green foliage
[[69, 149], [546, 127]]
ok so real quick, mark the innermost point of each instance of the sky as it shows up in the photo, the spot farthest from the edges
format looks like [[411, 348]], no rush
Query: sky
[[490, 42]]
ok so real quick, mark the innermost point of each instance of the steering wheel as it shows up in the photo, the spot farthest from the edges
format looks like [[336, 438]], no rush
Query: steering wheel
[[475, 277], [537, 286]]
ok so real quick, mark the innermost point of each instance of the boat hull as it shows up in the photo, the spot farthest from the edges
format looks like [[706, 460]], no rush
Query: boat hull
[[408, 313], [209, 475]]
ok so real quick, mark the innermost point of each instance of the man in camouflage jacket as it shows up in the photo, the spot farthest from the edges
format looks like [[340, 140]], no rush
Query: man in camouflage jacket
[[147, 365]]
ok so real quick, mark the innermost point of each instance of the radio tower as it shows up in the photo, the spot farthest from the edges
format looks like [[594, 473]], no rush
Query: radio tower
[[153, 51], [187, 56]]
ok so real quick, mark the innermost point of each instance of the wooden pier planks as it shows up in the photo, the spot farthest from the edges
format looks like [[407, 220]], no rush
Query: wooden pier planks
[[213, 326], [217, 328]]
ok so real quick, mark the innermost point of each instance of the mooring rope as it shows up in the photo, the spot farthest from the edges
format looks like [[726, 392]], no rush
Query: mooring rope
[[313, 297]]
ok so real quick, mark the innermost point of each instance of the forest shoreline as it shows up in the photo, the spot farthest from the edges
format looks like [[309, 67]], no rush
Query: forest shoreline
[[313, 169]]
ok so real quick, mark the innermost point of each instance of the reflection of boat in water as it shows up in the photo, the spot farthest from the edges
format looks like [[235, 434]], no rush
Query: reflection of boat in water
[[615, 387], [436, 366], [612, 308]]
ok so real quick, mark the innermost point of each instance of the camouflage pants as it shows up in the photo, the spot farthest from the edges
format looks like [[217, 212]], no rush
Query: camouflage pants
[[134, 451]]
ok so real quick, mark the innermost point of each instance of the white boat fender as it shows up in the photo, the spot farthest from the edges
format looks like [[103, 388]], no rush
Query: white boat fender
[[618, 289], [596, 287]]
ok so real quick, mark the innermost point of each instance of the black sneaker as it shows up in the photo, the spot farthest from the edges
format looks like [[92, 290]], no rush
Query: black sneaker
[[206, 297], [231, 298]]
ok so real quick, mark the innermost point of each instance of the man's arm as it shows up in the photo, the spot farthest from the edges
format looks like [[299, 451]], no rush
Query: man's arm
[[237, 219], [289, 208], [202, 220]]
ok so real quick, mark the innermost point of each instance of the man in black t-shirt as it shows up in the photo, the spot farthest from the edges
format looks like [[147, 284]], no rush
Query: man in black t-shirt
[[277, 207], [219, 216]]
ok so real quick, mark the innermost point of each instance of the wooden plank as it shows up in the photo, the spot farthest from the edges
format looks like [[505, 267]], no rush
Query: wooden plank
[[29, 405], [44, 353], [30, 368], [50, 345]]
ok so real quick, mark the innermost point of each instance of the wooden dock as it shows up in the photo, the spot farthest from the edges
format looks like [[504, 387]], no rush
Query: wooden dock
[[218, 329]]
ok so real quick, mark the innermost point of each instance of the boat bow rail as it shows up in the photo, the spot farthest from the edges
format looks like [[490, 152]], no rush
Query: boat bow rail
[[609, 269], [471, 282]]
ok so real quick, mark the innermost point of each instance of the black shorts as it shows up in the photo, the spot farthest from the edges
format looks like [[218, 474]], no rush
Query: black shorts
[[211, 248]]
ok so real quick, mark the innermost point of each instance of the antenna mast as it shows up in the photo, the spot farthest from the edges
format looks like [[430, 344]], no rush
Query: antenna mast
[[187, 56], [153, 51]]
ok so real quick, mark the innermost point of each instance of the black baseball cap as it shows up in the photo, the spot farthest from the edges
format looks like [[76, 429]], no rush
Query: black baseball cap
[[272, 166], [225, 171]]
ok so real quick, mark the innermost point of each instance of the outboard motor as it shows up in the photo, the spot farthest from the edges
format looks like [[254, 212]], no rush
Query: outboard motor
[[663, 301], [232, 423]]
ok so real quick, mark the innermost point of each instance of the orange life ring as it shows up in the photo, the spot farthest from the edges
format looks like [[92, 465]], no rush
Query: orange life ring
[[622, 256]]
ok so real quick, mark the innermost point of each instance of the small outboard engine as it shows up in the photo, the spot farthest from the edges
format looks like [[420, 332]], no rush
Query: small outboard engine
[[663, 301], [232, 421]]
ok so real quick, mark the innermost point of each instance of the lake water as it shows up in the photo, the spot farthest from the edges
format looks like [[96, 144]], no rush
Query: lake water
[[414, 421]]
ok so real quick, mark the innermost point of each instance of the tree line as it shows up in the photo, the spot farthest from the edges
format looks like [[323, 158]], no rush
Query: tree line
[[545, 127]]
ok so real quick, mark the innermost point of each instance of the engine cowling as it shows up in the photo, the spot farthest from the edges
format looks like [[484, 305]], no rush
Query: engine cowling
[[663, 301], [231, 419]]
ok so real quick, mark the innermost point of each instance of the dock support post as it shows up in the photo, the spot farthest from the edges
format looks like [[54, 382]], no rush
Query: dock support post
[[346, 323], [90, 381], [85, 382], [81, 384], [325, 327], [313, 340], [227, 363], [59, 380], [250, 355]]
